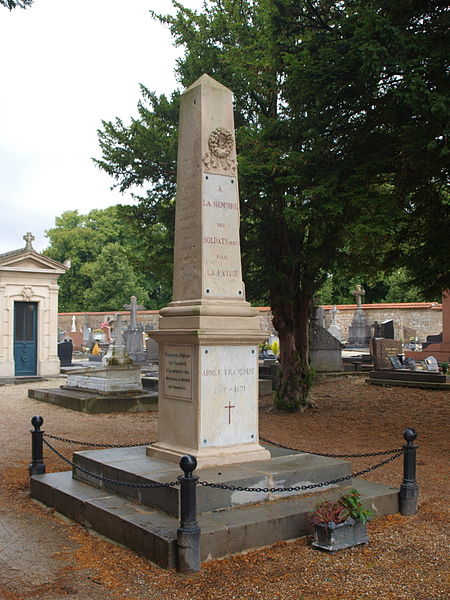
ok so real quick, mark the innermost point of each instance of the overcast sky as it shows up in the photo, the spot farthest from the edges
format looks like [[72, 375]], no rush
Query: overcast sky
[[66, 65]]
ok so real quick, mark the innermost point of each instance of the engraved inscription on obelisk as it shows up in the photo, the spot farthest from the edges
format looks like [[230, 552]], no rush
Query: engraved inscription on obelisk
[[208, 335], [207, 261]]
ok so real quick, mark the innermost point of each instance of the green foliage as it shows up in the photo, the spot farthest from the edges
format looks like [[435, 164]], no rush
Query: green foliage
[[113, 280], [396, 286], [106, 262], [341, 111], [16, 3], [351, 501], [347, 505]]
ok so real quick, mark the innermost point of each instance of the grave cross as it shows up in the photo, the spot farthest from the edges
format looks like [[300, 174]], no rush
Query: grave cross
[[358, 292], [133, 307], [229, 406], [334, 312], [28, 237]]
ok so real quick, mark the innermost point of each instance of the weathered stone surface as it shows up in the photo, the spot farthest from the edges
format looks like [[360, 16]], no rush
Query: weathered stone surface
[[152, 533], [91, 402], [209, 334]]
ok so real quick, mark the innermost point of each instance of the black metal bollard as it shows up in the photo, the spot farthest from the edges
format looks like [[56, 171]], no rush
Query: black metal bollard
[[409, 490], [188, 534], [37, 465]]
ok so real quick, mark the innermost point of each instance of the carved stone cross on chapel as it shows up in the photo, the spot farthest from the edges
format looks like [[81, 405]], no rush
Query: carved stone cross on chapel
[[28, 237], [133, 307]]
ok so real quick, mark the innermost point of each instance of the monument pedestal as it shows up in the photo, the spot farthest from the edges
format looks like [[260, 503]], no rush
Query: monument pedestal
[[146, 519], [208, 395]]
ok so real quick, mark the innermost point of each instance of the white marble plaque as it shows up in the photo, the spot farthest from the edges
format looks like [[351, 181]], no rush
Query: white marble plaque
[[228, 380], [222, 274], [177, 371]]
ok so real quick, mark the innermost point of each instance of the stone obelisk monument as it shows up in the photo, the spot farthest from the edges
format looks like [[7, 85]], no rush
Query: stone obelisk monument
[[208, 335]]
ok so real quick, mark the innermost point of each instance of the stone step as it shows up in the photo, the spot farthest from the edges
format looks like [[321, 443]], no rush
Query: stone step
[[152, 532], [285, 469]]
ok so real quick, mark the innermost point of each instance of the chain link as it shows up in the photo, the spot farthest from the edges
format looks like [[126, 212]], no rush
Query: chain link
[[299, 488], [272, 443], [93, 445], [367, 454], [222, 486], [106, 479]]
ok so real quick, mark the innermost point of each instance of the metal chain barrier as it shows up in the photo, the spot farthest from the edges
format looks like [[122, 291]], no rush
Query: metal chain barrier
[[300, 488], [107, 479], [93, 445], [271, 442], [222, 486], [382, 453]]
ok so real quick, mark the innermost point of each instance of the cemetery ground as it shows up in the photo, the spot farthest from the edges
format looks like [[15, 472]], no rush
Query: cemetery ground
[[43, 556]]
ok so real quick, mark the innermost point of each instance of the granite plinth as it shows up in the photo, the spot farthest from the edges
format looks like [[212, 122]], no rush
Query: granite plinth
[[407, 378], [282, 470], [106, 379], [146, 520], [93, 402]]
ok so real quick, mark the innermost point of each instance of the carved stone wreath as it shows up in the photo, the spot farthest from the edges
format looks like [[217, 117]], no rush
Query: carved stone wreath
[[220, 142]]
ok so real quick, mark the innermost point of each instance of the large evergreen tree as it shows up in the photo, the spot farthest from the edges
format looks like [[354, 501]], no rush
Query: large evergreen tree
[[341, 109]]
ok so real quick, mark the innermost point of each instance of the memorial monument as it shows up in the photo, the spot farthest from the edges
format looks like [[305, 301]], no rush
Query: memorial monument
[[208, 335], [208, 396], [360, 331], [134, 334]]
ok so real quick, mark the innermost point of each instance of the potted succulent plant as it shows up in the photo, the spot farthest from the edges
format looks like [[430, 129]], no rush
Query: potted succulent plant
[[340, 524]]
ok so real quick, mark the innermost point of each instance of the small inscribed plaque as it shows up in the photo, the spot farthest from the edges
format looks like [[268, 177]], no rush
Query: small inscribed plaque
[[177, 371]]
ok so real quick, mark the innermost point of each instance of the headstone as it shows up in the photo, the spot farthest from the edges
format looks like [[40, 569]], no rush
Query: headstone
[[65, 351], [359, 330], [334, 328], [409, 335], [74, 324], [326, 350], [387, 329], [410, 363], [117, 353], [395, 361], [208, 335], [134, 334], [432, 364], [381, 349], [86, 332], [152, 350]]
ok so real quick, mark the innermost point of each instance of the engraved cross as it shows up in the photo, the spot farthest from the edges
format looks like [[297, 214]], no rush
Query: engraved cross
[[230, 406], [133, 308]]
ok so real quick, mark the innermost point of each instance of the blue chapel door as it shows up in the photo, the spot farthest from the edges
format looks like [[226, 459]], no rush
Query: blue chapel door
[[25, 338]]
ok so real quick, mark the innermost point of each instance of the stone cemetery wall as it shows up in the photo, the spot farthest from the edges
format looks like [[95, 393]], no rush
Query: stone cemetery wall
[[423, 317]]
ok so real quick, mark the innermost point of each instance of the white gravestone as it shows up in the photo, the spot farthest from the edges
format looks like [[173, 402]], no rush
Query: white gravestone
[[208, 335]]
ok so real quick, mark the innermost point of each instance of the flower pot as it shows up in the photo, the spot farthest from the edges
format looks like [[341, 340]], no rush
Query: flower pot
[[333, 537]]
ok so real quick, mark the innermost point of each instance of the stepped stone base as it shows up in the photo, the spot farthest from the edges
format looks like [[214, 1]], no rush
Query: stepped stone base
[[406, 378], [146, 519], [91, 401]]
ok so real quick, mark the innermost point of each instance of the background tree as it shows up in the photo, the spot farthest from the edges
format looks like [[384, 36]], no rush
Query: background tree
[[15, 3], [341, 110], [83, 239], [115, 280]]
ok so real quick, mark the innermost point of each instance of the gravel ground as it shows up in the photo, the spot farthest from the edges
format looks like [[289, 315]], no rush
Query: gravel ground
[[45, 557]]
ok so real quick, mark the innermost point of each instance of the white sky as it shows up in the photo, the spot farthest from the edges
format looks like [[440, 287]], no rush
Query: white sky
[[65, 66]]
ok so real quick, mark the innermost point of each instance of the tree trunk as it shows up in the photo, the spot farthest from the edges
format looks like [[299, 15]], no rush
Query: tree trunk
[[291, 320]]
